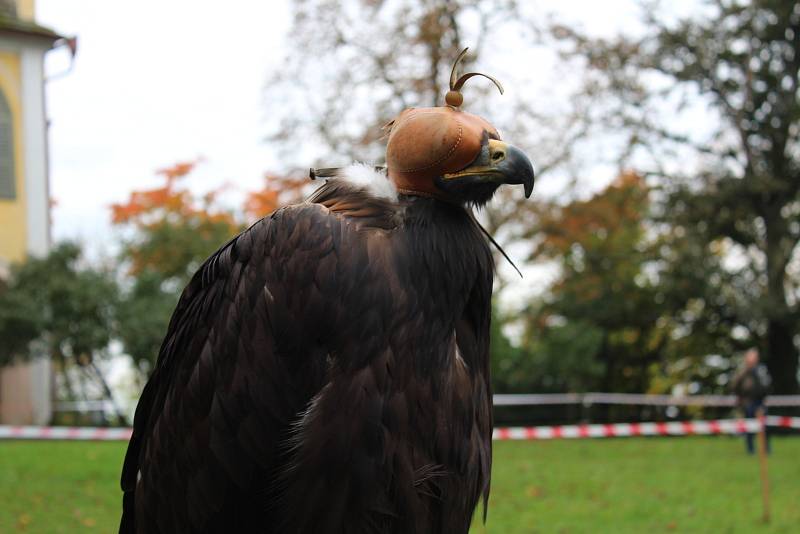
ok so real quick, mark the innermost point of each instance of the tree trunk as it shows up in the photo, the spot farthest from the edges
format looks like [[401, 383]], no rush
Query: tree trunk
[[781, 353], [781, 357], [121, 419]]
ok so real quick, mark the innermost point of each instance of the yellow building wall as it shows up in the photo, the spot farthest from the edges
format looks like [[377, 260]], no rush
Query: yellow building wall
[[13, 230], [26, 9], [24, 388]]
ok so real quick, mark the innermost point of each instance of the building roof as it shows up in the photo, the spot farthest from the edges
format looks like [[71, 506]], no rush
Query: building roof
[[10, 24]]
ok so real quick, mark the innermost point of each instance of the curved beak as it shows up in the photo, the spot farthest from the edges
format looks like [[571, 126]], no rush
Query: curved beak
[[502, 163]]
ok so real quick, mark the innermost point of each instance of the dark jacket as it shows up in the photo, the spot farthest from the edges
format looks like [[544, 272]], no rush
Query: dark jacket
[[751, 385]]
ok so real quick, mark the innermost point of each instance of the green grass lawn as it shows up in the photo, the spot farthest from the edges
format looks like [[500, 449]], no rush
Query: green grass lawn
[[637, 485], [641, 485]]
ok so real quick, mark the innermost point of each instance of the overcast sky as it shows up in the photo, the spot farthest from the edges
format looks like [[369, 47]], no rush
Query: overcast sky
[[156, 82]]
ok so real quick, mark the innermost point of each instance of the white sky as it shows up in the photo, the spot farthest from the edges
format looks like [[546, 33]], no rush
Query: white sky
[[156, 82]]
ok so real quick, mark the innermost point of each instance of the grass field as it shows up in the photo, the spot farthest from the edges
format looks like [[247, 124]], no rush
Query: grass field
[[636, 485]]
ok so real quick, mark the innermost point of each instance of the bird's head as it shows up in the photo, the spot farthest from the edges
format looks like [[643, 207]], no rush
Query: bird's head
[[448, 153]]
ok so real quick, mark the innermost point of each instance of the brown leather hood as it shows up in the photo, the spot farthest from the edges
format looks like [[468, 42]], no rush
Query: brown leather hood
[[428, 142]]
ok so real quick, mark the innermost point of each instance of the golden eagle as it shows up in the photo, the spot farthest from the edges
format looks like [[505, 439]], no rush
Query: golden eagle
[[327, 370]]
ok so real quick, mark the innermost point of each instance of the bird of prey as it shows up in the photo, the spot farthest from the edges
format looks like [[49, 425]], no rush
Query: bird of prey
[[327, 370]]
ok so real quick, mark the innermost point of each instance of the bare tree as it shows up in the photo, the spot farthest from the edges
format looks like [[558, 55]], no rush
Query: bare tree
[[354, 65], [731, 179]]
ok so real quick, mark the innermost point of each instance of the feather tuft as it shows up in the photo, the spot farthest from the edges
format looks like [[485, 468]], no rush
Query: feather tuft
[[367, 177]]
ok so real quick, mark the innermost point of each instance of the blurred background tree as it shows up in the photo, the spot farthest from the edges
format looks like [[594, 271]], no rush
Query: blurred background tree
[[735, 64], [59, 306], [602, 323], [354, 66], [170, 231]]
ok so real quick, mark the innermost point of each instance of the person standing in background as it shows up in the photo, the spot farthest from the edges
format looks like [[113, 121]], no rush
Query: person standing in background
[[751, 386]]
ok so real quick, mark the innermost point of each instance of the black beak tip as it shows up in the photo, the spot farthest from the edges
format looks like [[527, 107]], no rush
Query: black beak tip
[[529, 186], [521, 169], [527, 175]]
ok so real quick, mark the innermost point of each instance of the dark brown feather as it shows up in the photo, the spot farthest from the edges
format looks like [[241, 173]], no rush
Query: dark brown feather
[[325, 371]]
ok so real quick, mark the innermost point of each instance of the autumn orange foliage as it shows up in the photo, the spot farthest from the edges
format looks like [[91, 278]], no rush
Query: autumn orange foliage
[[592, 237], [615, 211], [175, 226], [169, 198], [172, 224]]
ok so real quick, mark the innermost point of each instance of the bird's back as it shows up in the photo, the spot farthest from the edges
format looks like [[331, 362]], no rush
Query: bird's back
[[325, 371]]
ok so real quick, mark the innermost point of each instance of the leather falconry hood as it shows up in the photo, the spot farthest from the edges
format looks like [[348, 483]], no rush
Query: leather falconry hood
[[425, 143]]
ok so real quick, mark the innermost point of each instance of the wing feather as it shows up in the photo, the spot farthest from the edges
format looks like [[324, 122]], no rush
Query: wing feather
[[324, 371], [213, 414]]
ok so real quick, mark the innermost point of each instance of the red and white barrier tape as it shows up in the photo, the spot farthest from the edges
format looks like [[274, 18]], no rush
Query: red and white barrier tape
[[782, 421], [672, 428]]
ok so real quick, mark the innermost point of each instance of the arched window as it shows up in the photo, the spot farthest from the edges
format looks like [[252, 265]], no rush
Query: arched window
[[7, 180]]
